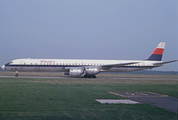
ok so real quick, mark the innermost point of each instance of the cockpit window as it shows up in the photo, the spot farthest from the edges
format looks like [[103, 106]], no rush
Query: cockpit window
[[9, 63]]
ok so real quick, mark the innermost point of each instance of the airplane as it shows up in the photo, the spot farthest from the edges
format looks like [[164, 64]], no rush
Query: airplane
[[88, 68]]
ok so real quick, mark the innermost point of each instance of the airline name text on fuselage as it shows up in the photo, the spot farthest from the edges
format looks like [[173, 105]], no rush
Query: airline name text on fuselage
[[44, 61]]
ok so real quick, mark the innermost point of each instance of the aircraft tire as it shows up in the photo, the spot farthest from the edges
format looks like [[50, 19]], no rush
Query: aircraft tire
[[89, 76], [93, 76]]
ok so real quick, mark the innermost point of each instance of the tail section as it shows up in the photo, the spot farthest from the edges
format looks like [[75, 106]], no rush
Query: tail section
[[158, 52]]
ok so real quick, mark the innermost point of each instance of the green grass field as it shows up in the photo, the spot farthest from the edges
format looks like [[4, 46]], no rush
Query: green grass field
[[74, 98]]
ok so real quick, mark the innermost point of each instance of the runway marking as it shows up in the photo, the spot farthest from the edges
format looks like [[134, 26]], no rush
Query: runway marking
[[116, 94], [138, 94], [116, 101], [158, 94], [143, 94]]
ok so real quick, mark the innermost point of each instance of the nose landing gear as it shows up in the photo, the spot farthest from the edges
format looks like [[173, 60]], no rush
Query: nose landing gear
[[16, 74]]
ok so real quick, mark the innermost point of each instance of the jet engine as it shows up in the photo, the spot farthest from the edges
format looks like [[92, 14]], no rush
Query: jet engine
[[91, 71], [74, 72]]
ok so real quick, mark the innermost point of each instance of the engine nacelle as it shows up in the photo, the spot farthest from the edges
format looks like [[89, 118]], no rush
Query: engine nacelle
[[91, 71], [74, 72]]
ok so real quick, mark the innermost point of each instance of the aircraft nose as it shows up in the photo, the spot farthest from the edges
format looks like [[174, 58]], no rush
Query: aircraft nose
[[3, 67]]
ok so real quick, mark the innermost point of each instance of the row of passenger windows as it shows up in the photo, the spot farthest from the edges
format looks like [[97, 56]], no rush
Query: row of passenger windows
[[65, 64], [75, 64]]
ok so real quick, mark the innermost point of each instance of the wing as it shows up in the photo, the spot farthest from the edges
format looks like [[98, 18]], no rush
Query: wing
[[106, 67]]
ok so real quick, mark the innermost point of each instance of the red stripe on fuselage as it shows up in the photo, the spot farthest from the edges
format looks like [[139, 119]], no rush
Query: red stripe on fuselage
[[158, 51]]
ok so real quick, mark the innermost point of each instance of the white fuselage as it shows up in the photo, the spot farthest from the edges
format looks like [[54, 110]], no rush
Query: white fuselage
[[60, 65]]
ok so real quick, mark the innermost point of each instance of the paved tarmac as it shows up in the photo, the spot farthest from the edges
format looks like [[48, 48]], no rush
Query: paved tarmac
[[144, 78], [163, 101], [29, 77], [121, 78]]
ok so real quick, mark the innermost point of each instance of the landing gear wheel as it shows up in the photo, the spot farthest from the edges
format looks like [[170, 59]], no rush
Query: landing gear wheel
[[16, 75], [89, 76], [93, 76]]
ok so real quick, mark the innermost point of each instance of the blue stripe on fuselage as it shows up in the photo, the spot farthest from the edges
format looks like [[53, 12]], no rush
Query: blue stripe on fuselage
[[75, 66]]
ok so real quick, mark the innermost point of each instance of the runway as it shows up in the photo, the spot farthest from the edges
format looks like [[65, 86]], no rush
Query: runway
[[144, 78], [112, 78], [30, 77]]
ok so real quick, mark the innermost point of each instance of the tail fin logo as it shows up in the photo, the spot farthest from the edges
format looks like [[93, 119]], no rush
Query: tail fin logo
[[158, 52]]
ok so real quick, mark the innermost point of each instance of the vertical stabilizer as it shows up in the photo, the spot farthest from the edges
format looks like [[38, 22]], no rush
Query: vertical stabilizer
[[158, 52]]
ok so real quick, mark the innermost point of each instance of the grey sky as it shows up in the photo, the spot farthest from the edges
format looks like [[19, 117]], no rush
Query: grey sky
[[93, 29]]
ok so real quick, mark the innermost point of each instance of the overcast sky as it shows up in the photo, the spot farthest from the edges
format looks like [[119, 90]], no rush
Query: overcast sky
[[88, 29]]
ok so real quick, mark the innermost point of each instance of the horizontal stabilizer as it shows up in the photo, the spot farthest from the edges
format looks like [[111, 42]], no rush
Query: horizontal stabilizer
[[162, 63]]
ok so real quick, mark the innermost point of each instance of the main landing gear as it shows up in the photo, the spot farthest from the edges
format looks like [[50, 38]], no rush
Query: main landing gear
[[89, 76], [16, 74]]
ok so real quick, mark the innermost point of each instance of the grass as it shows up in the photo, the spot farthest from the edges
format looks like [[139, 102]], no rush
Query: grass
[[74, 98]]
